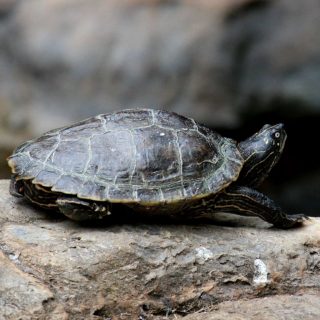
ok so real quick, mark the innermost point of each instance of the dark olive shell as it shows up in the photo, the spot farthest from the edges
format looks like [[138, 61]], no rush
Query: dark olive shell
[[134, 156]]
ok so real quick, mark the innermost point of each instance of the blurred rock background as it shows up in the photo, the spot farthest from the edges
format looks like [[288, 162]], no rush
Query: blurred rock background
[[233, 65]]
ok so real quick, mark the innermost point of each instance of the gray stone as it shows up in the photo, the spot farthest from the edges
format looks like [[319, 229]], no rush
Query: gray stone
[[124, 271]]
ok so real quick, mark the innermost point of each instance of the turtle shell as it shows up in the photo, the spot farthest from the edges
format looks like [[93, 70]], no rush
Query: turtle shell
[[132, 156]]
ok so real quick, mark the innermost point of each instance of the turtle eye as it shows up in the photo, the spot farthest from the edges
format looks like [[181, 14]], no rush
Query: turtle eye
[[277, 134]]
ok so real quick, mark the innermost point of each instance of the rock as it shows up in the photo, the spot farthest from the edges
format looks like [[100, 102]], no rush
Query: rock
[[211, 60], [19, 290], [297, 307], [96, 57], [276, 65], [123, 271]]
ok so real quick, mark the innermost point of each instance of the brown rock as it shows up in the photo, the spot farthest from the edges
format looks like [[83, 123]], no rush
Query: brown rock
[[19, 290], [126, 271], [286, 307]]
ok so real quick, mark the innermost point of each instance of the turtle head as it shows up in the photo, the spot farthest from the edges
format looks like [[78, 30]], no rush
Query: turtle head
[[261, 152]]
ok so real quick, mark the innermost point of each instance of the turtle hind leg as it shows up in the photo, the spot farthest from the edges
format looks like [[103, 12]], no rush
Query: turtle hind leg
[[80, 210], [16, 187], [249, 202]]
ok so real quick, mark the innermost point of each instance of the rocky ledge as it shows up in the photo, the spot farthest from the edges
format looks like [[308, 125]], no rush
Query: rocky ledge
[[235, 268]]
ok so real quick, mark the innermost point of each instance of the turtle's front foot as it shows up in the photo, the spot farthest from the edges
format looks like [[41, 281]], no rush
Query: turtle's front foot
[[291, 221], [246, 201]]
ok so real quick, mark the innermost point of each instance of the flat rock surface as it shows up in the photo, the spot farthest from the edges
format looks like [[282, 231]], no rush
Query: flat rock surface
[[284, 307], [53, 268]]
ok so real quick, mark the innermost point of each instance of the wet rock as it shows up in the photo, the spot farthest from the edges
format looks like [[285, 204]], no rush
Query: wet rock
[[123, 271]]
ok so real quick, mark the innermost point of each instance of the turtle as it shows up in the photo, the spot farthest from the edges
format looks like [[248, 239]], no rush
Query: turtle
[[152, 163]]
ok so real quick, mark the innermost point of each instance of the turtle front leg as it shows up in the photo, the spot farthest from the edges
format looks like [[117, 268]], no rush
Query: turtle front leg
[[249, 202], [78, 209]]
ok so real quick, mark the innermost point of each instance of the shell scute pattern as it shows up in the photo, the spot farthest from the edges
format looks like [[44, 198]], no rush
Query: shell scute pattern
[[71, 162], [131, 156], [47, 177], [144, 195], [166, 168], [178, 122], [111, 156], [42, 147], [84, 128], [123, 193], [199, 154], [93, 191], [69, 184], [192, 188], [128, 120]]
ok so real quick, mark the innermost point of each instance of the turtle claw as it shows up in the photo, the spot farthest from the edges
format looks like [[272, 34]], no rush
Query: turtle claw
[[300, 217], [295, 220]]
